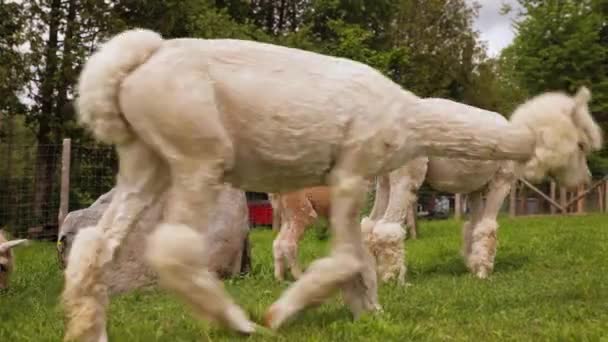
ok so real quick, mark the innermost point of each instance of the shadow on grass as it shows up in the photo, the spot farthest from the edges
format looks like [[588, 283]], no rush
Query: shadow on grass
[[454, 266], [319, 317], [510, 262]]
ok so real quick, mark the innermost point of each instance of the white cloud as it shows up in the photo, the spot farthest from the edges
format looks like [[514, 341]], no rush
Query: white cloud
[[494, 28]]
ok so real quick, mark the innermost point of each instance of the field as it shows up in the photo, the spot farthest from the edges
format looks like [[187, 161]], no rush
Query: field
[[550, 284]]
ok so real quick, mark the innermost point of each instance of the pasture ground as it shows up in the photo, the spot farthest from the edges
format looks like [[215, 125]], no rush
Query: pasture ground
[[550, 284]]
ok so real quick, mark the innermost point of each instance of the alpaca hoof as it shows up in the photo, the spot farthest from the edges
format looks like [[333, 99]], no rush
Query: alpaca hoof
[[482, 274], [275, 316], [479, 270], [269, 319], [238, 321]]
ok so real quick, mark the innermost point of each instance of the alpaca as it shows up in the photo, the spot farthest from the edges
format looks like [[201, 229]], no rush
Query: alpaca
[[276, 211], [396, 196], [384, 234], [296, 211], [229, 229], [188, 114], [7, 262]]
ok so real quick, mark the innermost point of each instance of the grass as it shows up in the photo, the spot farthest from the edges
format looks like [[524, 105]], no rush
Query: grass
[[550, 284]]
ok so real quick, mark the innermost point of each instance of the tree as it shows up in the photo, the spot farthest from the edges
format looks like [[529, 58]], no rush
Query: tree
[[561, 45], [59, 33], [13, 71], [442, 44]]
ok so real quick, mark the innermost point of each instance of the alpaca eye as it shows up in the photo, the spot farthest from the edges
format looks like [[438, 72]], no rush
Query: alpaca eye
[[3, 268], [581, 146]]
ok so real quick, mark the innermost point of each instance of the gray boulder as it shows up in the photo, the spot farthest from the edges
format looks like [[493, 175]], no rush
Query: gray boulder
[[228, 232]]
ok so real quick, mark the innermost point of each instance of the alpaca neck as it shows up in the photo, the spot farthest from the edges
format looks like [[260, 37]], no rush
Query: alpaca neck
[[475, 142], [469, 134]]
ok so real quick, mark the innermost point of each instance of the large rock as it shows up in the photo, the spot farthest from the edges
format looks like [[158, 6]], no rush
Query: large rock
[[228, 233]]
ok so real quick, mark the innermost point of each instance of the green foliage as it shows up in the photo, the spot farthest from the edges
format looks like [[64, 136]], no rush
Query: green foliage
[[13, 71], [561, 45], [550, 284], [442, 46], [558, 47]]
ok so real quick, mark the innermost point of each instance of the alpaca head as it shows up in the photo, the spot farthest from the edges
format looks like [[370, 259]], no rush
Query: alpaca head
[[565, 134], [6, 259], [65, 240]]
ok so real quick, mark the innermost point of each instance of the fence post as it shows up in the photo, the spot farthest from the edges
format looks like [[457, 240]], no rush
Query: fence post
[[606, 196], [551, 207], [513, 200], [523, 204], [64, 196], [580, 203], [563, 194], [457, 206], [600, 198]]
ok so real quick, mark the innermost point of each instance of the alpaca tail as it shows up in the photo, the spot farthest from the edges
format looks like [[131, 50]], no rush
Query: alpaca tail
[[97, 104]]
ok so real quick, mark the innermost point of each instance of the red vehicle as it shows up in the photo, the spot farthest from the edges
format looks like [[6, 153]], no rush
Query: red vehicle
[[260, 209]]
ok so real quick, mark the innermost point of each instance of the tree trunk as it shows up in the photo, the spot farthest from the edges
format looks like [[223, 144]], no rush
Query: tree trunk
[[282, 10], [269, 17], [294, 16], [67, 73], [44, 157]]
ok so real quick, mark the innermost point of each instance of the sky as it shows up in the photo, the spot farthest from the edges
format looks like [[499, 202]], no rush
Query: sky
[[494, 28]]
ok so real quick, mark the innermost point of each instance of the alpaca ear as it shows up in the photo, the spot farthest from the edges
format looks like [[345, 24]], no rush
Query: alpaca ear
[[583, 119], [582, 97], [6, 246]]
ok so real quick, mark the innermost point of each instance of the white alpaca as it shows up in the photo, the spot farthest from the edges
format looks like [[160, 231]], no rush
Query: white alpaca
[[396, 195], [189, 114]]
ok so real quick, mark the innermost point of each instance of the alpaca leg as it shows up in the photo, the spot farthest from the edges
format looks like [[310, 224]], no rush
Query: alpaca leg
[[292, 260], [483, 251], [297, 213], [285, 252], [380, 202], [141, 178], [391, 258], [342, 267], [404, 183], [381, 197], [475, 200], [177, 248], [278, 258], [275, 202], [410, 219]]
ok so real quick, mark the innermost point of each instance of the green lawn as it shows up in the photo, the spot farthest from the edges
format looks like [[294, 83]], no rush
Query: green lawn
[[550, 284]]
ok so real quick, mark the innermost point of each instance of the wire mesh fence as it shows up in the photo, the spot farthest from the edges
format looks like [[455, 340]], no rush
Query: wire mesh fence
[[92, 173], [30, 184], [28, 179]]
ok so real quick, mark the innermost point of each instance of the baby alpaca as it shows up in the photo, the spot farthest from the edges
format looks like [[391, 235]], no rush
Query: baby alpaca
[[7, 263], [296, 211]]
